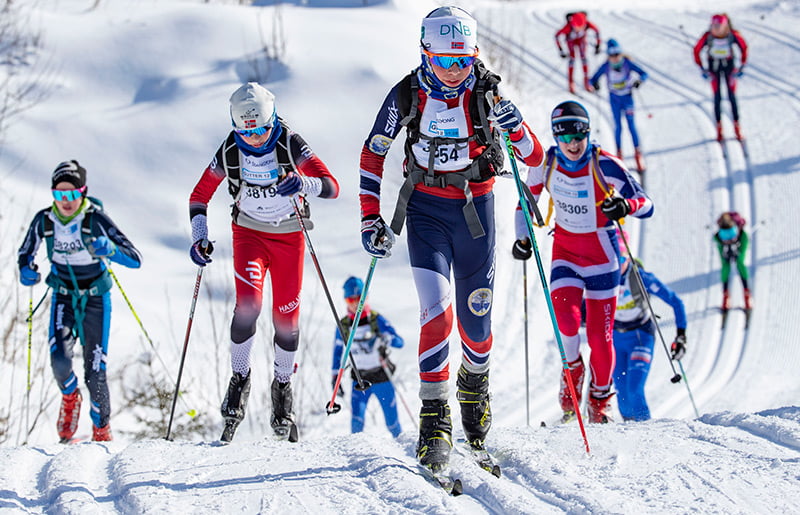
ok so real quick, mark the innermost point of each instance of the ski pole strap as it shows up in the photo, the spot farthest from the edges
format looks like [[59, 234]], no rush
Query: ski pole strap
[[35, 309]]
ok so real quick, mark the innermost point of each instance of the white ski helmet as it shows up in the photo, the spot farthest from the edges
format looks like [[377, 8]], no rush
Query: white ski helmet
[[449, 30], [252, 106]]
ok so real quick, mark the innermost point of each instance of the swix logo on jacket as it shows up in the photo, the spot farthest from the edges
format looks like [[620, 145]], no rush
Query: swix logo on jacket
[[392, 119]]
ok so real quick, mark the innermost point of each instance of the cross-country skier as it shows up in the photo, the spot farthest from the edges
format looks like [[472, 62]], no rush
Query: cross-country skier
[[574, 33], [80, 238], [721, 66], [634, 335], [619, 69], [732, 241], [270, 171], [590, 188], [452, 154], [374, 334]]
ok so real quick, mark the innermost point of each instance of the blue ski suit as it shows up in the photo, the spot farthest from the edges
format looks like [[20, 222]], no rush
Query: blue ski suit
[[620, 95], [634, 339], [81, 302], [369, 352]]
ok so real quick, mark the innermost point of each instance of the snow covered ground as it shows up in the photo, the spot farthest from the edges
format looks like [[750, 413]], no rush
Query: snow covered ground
[[138, 93]]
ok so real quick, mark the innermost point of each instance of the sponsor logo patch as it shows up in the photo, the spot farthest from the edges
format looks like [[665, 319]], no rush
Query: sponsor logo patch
[[379, 144], [480, 301]]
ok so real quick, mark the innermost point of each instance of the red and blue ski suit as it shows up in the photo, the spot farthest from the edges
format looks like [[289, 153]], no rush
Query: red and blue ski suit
[[575, 40], [585, 250], [440, 237], [721, 65], [266, 236]]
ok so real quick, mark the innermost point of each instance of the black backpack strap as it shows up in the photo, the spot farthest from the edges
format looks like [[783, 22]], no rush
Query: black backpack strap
[[483, 96], [283, 149], [230, 163], [86, 226], [408, 98], [48, 232]]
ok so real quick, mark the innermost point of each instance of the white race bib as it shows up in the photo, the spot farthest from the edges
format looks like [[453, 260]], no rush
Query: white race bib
[[257, 197], [720, 48], [573, 198], [68, 247], [364, 351], [437, 120]]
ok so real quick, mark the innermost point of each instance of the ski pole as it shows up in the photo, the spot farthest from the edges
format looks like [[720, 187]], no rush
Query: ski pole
[[28, 390], [185, 347], [525, 318], [523, 201], [332, 407], [189, 411], [676, 377], [640, 99], [361, 385], [390, 375], [691, 397]]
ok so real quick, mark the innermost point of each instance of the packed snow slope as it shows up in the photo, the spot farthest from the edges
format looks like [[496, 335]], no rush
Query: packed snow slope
[[138, 93]]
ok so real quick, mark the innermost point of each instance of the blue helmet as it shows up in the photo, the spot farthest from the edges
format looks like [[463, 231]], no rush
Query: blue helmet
[[353, 287], [613, 48]]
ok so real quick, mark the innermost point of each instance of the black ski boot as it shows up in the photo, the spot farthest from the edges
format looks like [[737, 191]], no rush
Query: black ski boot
[[435, 435], [282, 420], [476, 412], [233, 407]]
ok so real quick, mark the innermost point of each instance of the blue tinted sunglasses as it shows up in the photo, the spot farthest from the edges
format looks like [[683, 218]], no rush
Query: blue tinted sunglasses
[[68, 195], [252, 132], [447, 61], [567, 138]]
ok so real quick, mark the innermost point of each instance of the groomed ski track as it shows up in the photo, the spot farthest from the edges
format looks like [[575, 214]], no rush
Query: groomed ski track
[[695, 168]]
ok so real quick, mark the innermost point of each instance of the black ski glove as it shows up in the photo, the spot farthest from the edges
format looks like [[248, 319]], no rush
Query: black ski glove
[[522, 249], [636, 84], [679, 345], [615, 208], [596, 85], [201, 252], [597, 49], [563, 54]]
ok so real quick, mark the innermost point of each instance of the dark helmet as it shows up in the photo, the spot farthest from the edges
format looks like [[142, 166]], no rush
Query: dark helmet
[[569, 117]]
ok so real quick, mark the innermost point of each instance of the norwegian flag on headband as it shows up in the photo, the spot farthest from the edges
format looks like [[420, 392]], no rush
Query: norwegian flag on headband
[[457, 45], [250, 123]]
